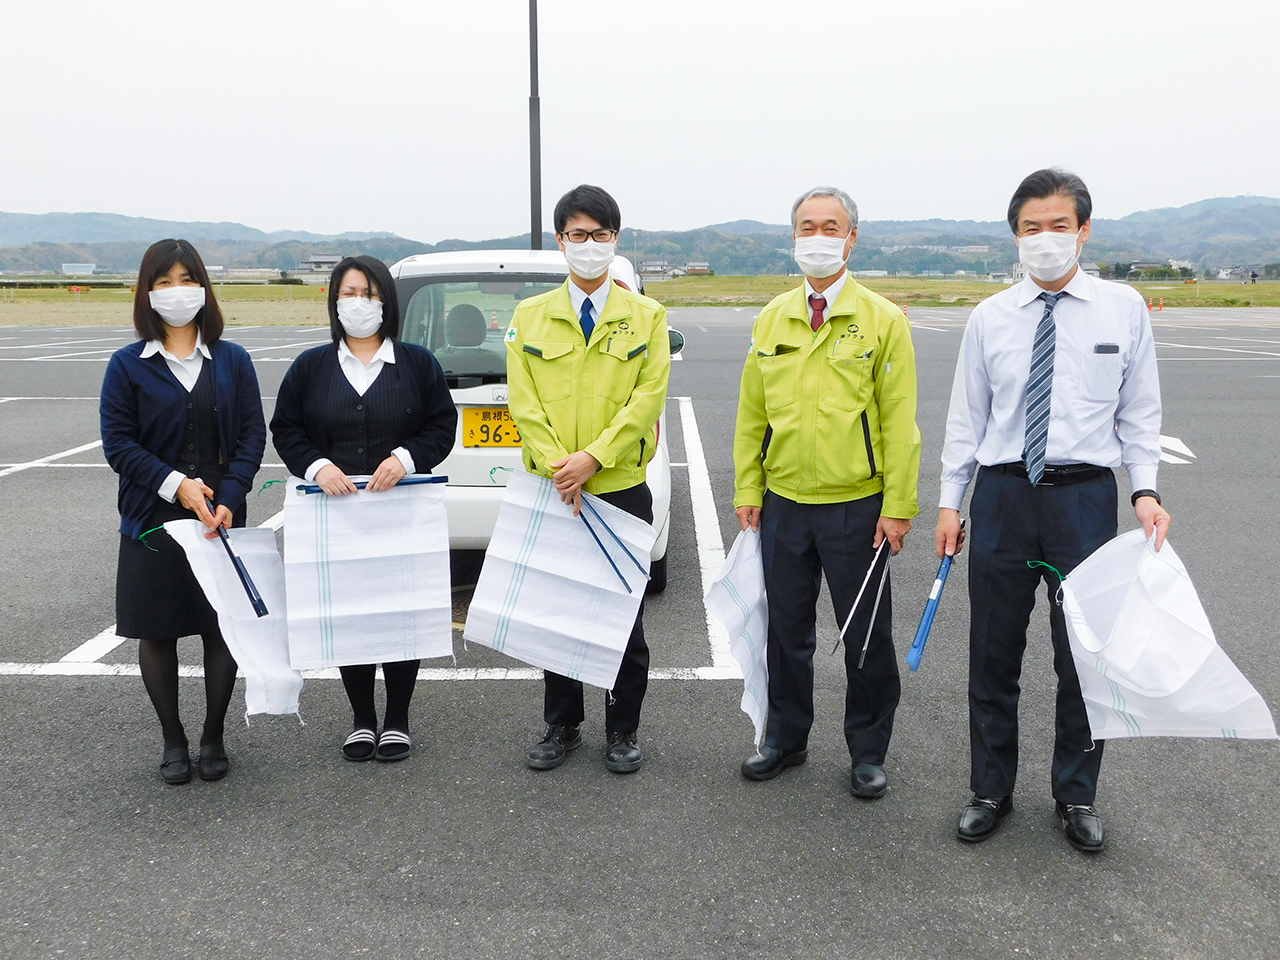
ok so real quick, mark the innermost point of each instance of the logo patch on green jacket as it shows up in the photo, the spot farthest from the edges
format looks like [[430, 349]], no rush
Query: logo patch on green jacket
[[511, 334]]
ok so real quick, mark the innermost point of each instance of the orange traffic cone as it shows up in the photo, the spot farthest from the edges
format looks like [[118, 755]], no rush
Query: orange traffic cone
[[493, 323]]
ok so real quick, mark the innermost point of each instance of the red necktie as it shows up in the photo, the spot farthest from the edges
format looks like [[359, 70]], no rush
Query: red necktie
[[819, 304]]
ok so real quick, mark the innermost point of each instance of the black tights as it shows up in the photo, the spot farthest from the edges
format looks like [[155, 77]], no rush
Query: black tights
[[159, 662], [400, 679]]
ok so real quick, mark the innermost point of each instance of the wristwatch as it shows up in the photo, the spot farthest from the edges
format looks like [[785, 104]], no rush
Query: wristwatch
[[1133, 500]]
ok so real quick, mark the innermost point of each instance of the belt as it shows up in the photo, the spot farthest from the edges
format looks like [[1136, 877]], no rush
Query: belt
[[1055, 474]]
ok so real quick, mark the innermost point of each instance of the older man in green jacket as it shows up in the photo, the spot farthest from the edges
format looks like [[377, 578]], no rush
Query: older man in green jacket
[[826, 459]]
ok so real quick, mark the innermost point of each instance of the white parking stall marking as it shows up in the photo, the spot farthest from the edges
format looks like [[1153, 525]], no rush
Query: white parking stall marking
[[289, 346], [57, 343], [86, 659], [1253, 354], [96, 648], [706, 529], [19, 467]]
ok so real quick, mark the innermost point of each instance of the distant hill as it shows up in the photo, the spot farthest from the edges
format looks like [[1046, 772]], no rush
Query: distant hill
[[20, 229], [1210, 233]]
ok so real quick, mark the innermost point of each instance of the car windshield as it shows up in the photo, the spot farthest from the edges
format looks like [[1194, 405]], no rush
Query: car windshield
[[463, 320]]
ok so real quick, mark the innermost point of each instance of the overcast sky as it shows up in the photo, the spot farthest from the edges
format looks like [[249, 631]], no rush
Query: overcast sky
[[412, 117]]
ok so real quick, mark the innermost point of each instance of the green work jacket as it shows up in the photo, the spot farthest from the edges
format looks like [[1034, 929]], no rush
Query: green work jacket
[[603, 396], [829, 416]]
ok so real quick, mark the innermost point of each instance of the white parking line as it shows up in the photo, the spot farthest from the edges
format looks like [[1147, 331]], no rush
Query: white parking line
[[706, 528], [19, 467], [73, 668], [56, 343], [85, 660]]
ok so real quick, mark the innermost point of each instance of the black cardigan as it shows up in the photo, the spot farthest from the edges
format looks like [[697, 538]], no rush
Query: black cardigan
[[413, 410], [143, 416]]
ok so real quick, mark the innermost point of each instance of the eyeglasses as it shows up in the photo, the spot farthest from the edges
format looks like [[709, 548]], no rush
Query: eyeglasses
[[599, 236]]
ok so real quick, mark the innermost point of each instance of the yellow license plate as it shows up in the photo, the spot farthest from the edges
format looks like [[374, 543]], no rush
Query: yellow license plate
[[489, 427]]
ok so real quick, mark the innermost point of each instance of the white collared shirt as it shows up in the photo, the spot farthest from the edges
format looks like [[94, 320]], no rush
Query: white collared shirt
[[831, 293], [1105, 399], [599, 297], [187, 372], [362, 376]]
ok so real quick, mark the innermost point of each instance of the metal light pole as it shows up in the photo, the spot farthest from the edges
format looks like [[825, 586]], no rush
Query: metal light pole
[[535, 135]]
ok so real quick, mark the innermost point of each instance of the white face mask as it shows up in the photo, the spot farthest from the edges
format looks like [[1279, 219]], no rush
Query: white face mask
[[589, 259], [177, 306], [820, 256], [1048, 256], [359, 316]]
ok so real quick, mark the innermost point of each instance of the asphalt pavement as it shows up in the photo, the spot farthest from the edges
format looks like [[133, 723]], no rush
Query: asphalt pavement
[[462, 852]]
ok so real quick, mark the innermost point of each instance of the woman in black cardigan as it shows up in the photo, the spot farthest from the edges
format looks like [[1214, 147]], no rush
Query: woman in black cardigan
[[366, 405], [182, 425]]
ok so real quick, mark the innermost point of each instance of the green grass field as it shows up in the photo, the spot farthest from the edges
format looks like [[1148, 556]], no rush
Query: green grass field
[[276, 304], [928, 292]]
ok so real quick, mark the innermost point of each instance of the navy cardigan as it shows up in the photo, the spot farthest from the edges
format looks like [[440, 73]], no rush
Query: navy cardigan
[[143, 416], [301, 427]]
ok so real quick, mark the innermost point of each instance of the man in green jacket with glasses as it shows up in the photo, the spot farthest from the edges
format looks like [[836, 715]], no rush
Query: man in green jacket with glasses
[[826, 459], [587, 369]]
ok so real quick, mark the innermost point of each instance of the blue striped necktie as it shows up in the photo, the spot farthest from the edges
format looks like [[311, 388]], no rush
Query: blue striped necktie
[[1039, 390], [584, 317]]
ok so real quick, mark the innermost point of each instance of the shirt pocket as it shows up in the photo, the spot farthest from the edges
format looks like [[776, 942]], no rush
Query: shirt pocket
[[1099, 376], [620, 372], [780, 375], [550, 367], [848, 375]]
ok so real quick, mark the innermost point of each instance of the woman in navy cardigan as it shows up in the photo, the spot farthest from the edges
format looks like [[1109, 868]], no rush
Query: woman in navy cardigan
[[366, 405], [182, 425]]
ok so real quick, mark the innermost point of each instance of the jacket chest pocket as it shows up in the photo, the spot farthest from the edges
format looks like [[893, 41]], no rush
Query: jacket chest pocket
[[620, 366], [1098, 375], [550, 365], [848, 375], [779, 373]]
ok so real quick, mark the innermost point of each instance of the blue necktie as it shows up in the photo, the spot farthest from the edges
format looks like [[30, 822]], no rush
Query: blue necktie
[[1039, 389], [584, 317]]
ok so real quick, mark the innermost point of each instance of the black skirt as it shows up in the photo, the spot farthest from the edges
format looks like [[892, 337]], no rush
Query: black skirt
[[157, 595]]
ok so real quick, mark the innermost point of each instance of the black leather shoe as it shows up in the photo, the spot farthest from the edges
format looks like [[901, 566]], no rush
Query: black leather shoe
[[175, 765], [623, 755], [869, 781], [981, 816], [549, 752], [1082, 826], [770, 762], [213, 761]]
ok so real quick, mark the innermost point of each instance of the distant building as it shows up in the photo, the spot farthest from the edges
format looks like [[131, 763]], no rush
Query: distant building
[[78, 269], [315, 269], [253, 273], [697, 267], [870, 273]]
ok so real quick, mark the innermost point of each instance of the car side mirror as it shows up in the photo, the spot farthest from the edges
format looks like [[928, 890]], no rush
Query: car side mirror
[[676, 339]]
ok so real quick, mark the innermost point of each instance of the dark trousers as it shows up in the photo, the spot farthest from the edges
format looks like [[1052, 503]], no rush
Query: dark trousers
[[800, 542], [562, 698], [1013, 523]]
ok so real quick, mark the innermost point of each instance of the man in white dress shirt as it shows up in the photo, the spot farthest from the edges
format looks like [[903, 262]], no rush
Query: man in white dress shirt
[[1055, 386]]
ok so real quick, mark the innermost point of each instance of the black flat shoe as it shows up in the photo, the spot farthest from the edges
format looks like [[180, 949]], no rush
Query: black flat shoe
[[549, 752], [1082, 826], [981, 817], [623, 755], [869, 781], [213, 761], [769, 762], [175, 766]]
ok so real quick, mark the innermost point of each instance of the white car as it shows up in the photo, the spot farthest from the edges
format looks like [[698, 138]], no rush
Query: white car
[[459, 305]]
